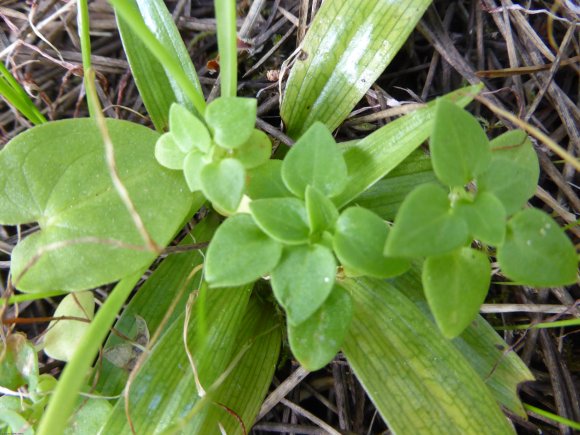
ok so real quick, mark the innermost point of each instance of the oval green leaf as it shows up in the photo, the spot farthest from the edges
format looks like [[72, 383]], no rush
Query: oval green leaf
[[283, 219], [426, 225], [359, 241], [317, 340], [231, 120], [315, 160], [303, 280], [193, 164], [322, 213], [187, 130], [265, 181], [168, 153], [255, 151], [240, 253], [222, 183], [486, 218], [56, 174], [459, 147], [514, 170], [455, 287], [536, 251]]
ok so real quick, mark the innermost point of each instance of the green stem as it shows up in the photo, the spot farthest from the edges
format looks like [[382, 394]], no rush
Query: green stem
[[225, 12], [16, 299], [63, 400], [135, 21], [84, 33], [570, 423], [543, 325]]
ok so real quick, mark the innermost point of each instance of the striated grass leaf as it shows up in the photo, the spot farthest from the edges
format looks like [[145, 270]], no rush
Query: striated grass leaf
[[11, 90]]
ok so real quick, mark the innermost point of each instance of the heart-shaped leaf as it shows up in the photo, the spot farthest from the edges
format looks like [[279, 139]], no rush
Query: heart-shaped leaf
[[255, 151], [514, 170], [240, 253], [283, 219], [231, 120], [168, 153], [56, 174], [455, 287], [536, 251], [315, 160], [486, 218], [303, 280], [460, 150], [187, 130], [63, 336], [322, 213], [223, 183], [317, 340], [359, 241], [265, 181], [193, 164], [425, 225]]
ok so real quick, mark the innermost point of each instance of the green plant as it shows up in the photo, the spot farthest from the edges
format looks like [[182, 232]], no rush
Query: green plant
[[294, 220]]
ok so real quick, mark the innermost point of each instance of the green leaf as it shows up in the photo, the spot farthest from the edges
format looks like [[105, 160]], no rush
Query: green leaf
[[315, 160], [459, 147], [56, 174], [382, 151], [222, 183], [11, 90], [536, 251], [240, 253], [485, 217], [303, 280], [255, 151], [89, 417], [160, 63], [232, 120], [168, 153], [409, 369], [317, 340], [192, 165], [265, 181], [187, 130], [18, 363], [63, 336], [455, 286], [283, 219], [359, 241], [322, 213], [16, 423], [514, 170], [426, 225], [347, 47]]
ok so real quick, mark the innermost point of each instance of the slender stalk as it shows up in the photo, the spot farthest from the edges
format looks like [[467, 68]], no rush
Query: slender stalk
[[63, 400], [16, 299], [225, 12], [570, 423], [84, 33]]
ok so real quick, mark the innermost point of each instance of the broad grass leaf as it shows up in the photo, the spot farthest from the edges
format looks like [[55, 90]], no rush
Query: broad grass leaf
[[303, 280], [255, 151], [240, 253], [322, 213], [222, 182], [426, 225], [265, 181], [459, 147], [283, 219], [63, 336], [359, 241], [537, 252], [409, 369], [231, 120], [56, 174], [187, 130], [315, 160], [168, 153], [514, 170], [486, 218], [456, 285], [316, 341], [347, 47]]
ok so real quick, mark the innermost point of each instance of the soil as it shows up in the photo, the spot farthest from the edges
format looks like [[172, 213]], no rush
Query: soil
[[521, 53]]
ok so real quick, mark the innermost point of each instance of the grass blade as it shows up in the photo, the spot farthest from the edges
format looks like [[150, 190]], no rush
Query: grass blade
[[348, 46], [11, 90]]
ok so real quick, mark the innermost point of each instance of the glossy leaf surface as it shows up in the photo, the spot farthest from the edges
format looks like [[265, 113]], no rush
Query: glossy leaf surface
[[303, 280], [55, 174], [316, 341], [455, 287], [426, 225], [536, 251], [408, 368], [240, 253], [348, 46], [283, 219]]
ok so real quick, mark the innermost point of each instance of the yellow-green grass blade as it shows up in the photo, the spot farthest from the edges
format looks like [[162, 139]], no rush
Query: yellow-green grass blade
[[347, 47], [417, 379], [11, 90]]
